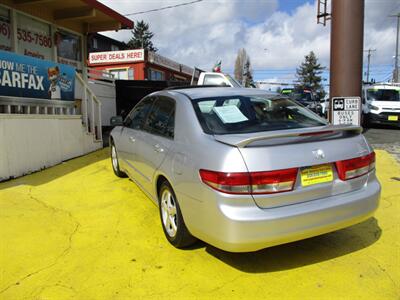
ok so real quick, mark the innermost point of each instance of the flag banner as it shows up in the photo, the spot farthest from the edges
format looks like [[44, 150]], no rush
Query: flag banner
[[217, 67]]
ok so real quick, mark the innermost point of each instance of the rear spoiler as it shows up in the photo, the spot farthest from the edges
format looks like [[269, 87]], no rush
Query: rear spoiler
[[242, 140]]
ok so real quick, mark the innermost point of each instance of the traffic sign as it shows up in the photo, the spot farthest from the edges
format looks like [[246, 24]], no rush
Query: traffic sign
[[346, 110]]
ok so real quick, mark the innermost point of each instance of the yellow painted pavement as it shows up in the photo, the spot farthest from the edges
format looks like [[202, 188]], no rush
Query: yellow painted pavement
[[75, 231]]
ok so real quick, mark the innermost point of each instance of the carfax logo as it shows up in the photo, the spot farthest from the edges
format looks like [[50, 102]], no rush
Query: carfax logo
[[24, 76], [14, 75]]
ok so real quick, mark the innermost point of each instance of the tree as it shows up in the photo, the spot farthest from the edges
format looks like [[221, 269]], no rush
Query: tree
[[243, 71], [239, 64], [141, 38], [248, 74], [309, 75]]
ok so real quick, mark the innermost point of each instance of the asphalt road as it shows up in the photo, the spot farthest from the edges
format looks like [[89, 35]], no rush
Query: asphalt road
[[387, 138]]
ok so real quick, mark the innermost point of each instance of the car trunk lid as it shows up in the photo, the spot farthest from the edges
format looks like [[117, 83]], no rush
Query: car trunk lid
[[317, 148]]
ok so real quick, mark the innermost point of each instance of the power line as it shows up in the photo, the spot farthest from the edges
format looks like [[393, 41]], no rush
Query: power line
[[385, 78], [162, 8], [384, 21]]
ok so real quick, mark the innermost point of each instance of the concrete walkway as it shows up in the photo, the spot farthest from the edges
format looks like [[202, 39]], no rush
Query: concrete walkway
[[75, 231]]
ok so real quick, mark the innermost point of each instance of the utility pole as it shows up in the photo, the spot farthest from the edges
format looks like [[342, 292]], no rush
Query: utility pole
[[369, 60], [396, 75], [347, 35]]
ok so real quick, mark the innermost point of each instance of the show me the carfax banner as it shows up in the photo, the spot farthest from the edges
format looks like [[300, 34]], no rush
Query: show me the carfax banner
[[24, 76]]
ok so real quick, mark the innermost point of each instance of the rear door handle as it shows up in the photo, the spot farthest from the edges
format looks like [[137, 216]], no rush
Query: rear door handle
[[132, 139], [158, 148]]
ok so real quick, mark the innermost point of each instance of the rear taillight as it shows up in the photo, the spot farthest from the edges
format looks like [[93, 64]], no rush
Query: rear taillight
[[232, 183], [355, 167], [273, 181], [250, 182]]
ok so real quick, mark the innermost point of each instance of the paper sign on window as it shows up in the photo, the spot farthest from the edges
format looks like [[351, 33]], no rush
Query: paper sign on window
[[230, 114]]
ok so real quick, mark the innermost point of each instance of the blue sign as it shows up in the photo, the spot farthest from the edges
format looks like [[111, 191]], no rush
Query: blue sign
[[24, 76]]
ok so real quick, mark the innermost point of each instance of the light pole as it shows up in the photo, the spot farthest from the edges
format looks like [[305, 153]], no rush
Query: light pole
[[346, 48], [396, 74], [369, 60]]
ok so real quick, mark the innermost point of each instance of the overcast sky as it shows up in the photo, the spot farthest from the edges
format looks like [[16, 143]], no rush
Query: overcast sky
[[276, 34]]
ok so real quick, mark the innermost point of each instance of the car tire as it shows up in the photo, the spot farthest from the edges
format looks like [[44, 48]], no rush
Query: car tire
[[115, 162], [172, 221]]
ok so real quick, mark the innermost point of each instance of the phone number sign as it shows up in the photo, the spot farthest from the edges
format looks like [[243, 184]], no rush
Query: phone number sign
[[346, 111]]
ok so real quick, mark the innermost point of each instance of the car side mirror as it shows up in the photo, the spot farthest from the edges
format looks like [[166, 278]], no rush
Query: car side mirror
[[116, 121]]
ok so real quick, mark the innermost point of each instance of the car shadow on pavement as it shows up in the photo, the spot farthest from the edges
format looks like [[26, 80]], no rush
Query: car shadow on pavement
[[54, 172], [368, 127], [305, 252]]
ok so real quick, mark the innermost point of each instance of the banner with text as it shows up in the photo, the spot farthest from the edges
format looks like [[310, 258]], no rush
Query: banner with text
[[113, 57], [24, 76]]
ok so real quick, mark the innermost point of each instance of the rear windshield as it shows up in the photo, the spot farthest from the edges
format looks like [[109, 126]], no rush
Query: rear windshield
[[247, 114], [383, 95]]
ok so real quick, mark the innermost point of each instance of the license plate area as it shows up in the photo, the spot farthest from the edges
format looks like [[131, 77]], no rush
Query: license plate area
[[393, 118], [316, 174]]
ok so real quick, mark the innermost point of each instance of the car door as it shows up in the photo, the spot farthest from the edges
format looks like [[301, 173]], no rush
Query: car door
[[155, 140], [127, 143]]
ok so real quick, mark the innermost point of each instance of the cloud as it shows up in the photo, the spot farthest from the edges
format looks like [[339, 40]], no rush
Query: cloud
[[204, 32]]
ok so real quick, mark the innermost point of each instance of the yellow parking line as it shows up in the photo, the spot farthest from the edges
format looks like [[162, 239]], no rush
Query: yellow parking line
[[75, 231]]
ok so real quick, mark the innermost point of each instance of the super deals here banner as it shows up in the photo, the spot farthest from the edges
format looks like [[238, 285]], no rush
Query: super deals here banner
[[24, 76]]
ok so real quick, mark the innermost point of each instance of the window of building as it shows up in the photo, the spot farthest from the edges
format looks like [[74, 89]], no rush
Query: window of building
[[131, 74], [114, 48], [95, 45], [156, 75], [125, 73], [34, 38], [69, 50], [5, 29], [121, 73]]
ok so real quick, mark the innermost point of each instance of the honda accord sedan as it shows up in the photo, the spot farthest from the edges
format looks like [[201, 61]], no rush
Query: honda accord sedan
[[244, 169]]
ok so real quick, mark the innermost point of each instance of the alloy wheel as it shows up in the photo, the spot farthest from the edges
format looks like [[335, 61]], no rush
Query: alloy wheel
[[114, 158], [168, 213]]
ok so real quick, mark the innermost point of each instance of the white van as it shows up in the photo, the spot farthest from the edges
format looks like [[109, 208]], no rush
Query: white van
[[216, 78], [381, 104]]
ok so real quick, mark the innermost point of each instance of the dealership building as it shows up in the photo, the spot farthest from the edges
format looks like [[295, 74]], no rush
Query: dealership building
[[140, 64], [49, 110]]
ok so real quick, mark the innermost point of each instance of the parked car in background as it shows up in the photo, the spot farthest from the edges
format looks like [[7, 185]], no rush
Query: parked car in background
[[323, 107], [381, 104], [217, 78], [244, 169], [304, 96]]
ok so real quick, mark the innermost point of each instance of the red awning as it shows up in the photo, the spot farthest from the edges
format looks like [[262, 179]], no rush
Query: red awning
[[84, 16], [125, 22]]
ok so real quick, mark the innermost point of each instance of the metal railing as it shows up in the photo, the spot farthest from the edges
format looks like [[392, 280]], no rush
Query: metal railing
[[17, 105], [94, 74], [90, 109], [85, 104]]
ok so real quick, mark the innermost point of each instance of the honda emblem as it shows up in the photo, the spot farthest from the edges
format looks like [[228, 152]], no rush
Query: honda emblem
[[319, 154]]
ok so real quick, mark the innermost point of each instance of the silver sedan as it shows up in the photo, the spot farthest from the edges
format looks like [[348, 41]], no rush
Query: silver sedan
[[243, 169]]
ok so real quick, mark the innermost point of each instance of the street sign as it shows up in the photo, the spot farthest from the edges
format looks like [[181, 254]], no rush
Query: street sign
[[346, 110]]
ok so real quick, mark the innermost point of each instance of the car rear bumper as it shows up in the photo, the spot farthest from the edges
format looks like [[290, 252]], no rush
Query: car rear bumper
[[238, 227]]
